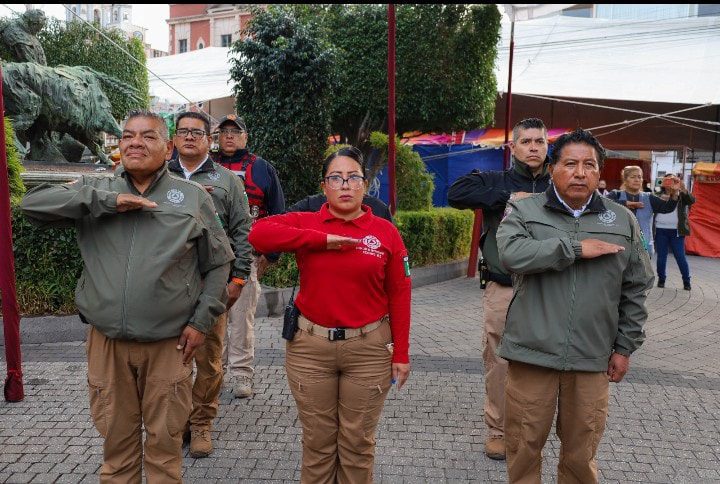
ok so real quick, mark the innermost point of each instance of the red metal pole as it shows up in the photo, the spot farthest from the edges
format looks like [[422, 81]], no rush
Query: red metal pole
[[475, 244], [508, 100], [391, 108], [11, 319]]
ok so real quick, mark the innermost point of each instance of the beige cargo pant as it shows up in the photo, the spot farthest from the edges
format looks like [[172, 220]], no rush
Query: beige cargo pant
[[208, 377], [533, 394], [133, 384], [496, 300], [340, 389], [240, 351]]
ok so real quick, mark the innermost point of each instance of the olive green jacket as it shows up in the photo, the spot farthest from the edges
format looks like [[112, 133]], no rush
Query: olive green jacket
[[146, 273], [231, 203], [570, 313]]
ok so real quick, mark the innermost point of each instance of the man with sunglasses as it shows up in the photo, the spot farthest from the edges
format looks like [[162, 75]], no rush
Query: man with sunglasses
[[265, 196], [192, 140]]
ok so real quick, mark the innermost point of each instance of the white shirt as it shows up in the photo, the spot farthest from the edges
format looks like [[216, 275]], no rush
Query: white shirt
[[575, 213], [186, 172], [667, 220]]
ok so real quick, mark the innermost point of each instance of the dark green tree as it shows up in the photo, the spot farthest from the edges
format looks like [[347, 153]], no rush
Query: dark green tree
[[445, 59], [284, 79], [78, 44]]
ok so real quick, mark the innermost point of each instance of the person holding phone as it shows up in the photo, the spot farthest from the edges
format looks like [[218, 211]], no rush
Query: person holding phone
[[644, 205], [354, 323], [671, 230]]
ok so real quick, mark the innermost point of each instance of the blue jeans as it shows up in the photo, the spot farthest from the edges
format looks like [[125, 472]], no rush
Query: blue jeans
[[668, 239]]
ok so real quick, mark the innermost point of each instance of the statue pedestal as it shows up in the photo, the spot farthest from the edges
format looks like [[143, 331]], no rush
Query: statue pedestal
[[38, 172]]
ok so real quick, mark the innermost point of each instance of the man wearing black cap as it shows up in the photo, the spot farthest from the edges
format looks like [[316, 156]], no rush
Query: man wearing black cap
[[265, 197]]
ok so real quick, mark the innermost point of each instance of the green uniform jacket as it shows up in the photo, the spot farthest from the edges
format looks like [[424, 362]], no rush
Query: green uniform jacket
[[231, 204], [146, 273], [569, 313]]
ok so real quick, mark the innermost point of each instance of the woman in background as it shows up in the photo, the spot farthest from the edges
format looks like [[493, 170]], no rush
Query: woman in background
[[670, 232]]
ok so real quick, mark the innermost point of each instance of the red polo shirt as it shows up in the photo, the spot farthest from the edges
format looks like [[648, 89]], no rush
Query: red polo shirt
[[346, 288]]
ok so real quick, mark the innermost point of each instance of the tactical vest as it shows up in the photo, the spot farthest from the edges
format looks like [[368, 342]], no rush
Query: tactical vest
[[256, 196]]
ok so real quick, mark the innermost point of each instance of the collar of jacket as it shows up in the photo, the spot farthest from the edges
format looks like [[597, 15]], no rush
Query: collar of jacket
[[175, 167], [235, 157], [524, 171], [120, 171], [595, 205]]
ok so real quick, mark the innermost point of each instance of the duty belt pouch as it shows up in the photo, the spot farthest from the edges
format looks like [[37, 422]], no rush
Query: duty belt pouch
[[290, 319]]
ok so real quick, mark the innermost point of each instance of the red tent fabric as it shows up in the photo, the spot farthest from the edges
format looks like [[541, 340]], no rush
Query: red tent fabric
[[704, 236]]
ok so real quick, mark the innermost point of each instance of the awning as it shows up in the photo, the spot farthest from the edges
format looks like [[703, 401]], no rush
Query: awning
[[198, 75], [490, 137]]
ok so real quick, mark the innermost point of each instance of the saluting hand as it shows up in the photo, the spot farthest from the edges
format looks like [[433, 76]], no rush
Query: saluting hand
[[592, 248], [337, 242], [189, 341], [126, 202]]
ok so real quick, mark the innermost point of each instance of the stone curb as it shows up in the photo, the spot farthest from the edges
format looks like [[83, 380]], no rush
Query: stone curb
[[59, 329]]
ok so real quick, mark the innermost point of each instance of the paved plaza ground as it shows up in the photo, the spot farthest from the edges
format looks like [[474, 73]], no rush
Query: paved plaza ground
[[664, 423]]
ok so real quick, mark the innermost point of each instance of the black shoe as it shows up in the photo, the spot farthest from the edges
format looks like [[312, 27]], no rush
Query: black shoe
[[661, 283], [686, 286], [186, 437]]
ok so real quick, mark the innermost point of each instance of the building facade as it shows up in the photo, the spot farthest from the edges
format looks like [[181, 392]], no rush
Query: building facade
[[196, 26], [112, 16]]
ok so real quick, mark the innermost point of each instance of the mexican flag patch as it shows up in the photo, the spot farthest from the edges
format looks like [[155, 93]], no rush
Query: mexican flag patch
[[406, 264]]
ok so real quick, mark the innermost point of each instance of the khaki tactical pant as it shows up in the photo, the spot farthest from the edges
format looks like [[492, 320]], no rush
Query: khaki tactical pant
[[533, 393], [496, 300], [133, 384], [209, 377], [240, 350], [340, 388]]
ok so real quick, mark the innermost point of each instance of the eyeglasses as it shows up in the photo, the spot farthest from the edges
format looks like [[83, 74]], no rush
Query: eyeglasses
[[194, 133], [233, 131], [336, 182]]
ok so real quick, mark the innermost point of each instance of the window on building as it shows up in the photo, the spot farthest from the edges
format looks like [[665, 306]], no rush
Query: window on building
[[201, 45], [125, 16], [580, 10], [96, 15], [708, 9], [115, 16], [226, 40], [182, 46]]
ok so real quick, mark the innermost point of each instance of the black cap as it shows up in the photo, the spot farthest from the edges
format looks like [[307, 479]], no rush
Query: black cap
[[234, 119]]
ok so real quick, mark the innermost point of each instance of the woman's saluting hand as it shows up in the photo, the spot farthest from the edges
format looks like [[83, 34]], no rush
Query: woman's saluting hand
[[337, 242]]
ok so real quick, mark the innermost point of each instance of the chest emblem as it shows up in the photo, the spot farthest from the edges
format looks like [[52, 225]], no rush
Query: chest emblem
[[607, 217], [175, 196], [214, 176], [371, 242]]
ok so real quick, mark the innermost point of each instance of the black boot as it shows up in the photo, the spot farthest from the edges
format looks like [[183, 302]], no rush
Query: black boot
[[686, 286], [661, 282]]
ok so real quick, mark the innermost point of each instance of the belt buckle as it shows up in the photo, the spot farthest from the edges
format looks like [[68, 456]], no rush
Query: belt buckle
[[336, 334]]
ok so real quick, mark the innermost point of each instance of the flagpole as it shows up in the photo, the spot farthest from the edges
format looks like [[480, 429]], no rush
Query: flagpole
[[508, 99]]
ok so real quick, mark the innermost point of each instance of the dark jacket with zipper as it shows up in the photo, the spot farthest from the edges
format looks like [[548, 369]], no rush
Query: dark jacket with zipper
[[490, 191], [146, 273], [569, 313]]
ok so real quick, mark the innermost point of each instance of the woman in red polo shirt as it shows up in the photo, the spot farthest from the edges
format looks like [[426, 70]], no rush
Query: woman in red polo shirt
[[353, 340]]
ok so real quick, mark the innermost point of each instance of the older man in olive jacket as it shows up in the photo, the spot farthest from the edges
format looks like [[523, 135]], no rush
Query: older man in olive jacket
[[581, 275], [156, 262]]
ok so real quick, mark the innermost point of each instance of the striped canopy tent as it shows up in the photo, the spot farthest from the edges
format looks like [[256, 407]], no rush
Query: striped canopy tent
[[489, 137]]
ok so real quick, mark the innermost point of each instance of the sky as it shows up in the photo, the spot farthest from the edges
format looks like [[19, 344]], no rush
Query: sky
[[150, 16]]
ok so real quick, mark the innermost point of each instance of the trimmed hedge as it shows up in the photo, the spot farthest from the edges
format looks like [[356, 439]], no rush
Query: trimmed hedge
[[47, 267], [48, 263]]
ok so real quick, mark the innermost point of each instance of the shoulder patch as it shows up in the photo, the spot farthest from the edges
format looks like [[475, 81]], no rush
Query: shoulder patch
[[406, 265]]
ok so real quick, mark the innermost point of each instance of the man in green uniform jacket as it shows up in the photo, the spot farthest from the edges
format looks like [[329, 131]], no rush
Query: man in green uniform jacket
[[156, 262], [581, 276], [192, 140]]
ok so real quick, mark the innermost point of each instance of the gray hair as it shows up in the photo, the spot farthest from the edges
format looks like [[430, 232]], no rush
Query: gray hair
[[142, 113]]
